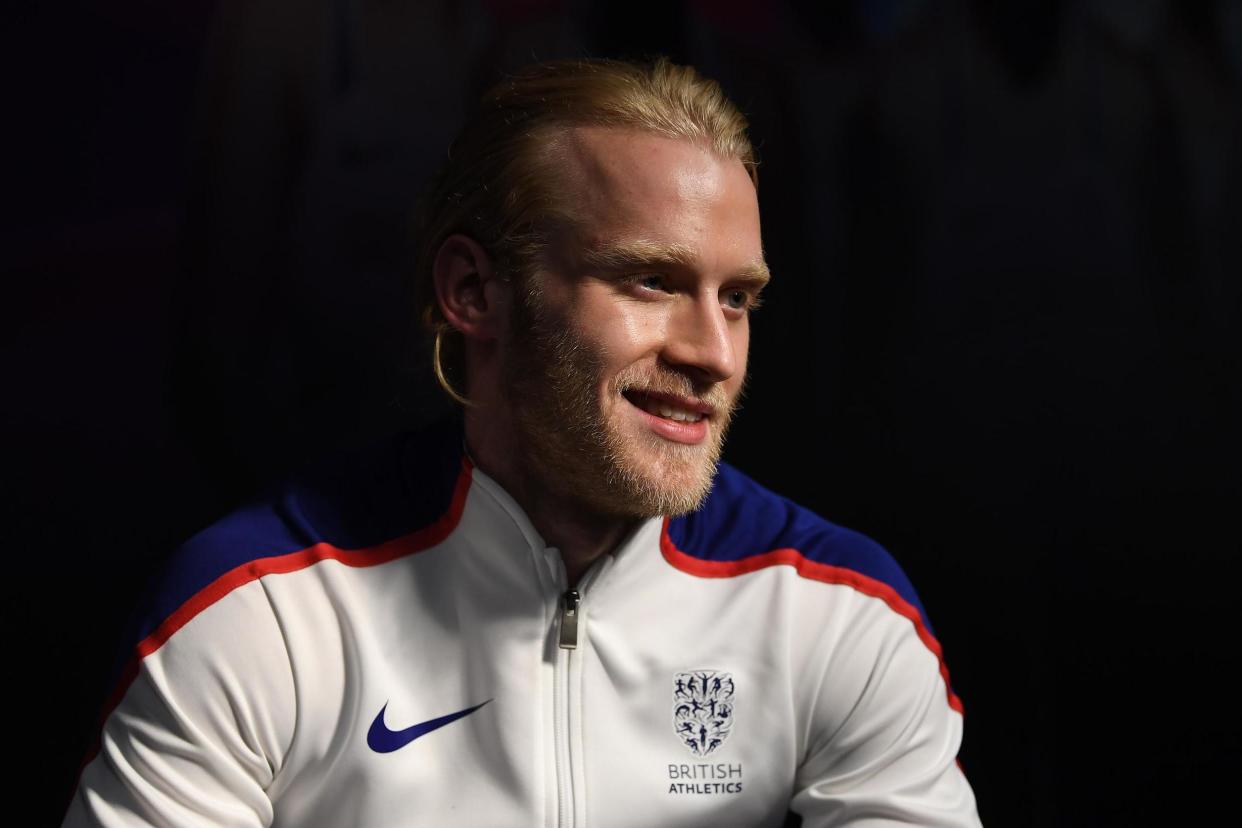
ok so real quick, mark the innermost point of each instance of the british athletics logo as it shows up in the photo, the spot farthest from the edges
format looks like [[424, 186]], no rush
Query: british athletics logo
[[703, 709]]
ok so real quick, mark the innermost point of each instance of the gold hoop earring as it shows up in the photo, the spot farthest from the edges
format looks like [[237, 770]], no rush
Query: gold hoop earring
[[438, 367]]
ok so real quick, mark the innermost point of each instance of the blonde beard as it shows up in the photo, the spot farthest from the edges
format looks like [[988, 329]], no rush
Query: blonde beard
[[575, 450]]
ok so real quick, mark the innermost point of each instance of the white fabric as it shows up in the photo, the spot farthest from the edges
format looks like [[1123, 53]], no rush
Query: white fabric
[[256, 712]]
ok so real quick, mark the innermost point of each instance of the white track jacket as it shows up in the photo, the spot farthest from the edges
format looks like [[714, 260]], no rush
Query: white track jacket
[[389, 642]]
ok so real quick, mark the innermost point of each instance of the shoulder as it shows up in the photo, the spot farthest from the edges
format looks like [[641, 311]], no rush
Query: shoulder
[[364, 507], [743, 527]]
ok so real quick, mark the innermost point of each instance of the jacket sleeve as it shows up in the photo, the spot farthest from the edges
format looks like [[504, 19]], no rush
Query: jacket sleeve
[[883, 741], [201, 731]]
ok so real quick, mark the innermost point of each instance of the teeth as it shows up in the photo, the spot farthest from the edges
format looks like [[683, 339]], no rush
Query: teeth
[[663, 409]]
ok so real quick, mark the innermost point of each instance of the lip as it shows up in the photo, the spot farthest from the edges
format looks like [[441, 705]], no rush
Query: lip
[[678, 432], [688, 403]]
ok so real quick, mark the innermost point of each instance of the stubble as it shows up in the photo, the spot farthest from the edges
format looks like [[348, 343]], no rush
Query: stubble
[[573, 448]]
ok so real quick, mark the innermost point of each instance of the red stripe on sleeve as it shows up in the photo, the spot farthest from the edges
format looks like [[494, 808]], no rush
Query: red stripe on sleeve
[[815, 571], [416, 541]]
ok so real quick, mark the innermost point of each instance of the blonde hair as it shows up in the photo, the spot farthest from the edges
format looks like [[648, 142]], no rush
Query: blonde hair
[[498, 185]]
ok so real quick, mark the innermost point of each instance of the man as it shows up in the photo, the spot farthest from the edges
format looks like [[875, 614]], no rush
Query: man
[[560, 611]]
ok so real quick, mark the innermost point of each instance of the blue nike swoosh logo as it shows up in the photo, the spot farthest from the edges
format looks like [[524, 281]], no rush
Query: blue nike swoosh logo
[[382, 740]]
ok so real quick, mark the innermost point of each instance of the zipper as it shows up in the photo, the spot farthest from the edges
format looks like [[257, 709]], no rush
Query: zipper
[[567, 641], [567, 705], [564, 771], [569, 619]]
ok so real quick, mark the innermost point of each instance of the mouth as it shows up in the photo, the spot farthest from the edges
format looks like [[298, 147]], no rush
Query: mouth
[[677, 419], [669, 406]]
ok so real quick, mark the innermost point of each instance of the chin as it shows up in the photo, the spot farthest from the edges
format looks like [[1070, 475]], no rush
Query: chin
[[657, 477]]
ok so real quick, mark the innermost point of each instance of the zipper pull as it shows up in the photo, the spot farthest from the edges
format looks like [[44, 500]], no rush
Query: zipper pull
[[569, 619]]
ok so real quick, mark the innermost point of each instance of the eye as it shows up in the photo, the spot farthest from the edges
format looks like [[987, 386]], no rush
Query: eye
[[739, 299], [649, 281]]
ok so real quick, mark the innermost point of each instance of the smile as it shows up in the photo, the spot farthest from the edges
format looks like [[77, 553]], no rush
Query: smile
[[678, 419], [668, 407], [660, 408]]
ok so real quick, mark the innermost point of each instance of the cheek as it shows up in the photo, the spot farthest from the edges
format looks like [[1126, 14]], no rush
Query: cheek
[[637, 330], [622, 333]]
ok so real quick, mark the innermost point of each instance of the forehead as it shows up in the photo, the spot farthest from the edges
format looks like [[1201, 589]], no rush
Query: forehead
[[626, 184]]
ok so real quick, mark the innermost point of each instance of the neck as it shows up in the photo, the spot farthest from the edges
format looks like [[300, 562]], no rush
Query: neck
[[581, 534]]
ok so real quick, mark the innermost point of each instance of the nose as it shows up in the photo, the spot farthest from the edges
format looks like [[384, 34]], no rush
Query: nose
[[699, 340]]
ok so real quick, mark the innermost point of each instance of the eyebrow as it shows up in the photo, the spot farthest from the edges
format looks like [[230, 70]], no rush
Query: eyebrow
[[634, 254]]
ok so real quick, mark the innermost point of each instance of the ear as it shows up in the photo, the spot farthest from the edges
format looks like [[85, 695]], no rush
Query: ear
[[466, 288]]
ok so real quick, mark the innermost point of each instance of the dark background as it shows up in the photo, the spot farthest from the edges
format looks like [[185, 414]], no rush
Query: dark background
[[1001, 337]]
